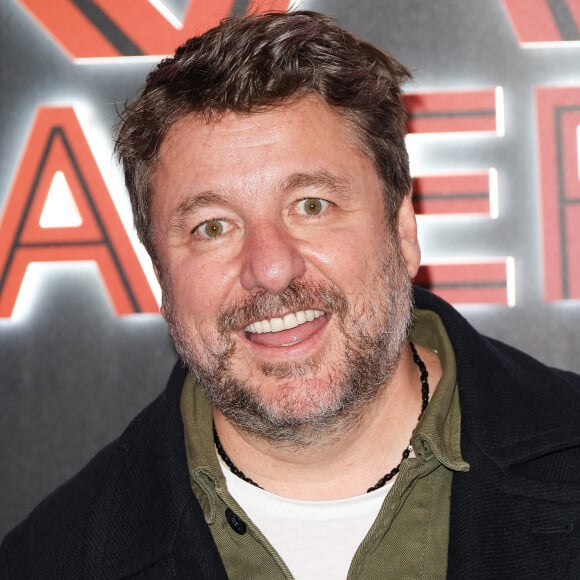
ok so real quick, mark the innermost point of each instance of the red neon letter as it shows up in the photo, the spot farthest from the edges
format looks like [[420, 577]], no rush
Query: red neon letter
[[57, 143], [467, 193], [449, 112], [541, 21], [110, 28], [558, 112], [453, 112], [480, 281], [467, 283]]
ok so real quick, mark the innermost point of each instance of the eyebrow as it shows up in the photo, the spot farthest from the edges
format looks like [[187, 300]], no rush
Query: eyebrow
[[298, 180], [338, 185], [188, 206]]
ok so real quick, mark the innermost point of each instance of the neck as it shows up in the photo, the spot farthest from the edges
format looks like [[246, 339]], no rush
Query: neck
[[337, 467]]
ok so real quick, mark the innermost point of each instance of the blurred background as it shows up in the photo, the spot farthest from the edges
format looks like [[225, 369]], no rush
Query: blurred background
[[494, 141]]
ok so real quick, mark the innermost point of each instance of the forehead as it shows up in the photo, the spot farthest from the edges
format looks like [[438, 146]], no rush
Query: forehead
[[308, 117], [247, 153]]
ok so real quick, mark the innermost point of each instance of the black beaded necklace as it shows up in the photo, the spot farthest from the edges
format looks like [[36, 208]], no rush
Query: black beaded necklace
[[387, 477]]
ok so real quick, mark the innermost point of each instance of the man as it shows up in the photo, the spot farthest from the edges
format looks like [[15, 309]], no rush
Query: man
[[328, 422]]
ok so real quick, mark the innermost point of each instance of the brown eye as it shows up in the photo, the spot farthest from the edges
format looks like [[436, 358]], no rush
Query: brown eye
[[212, 229], [313, 205]]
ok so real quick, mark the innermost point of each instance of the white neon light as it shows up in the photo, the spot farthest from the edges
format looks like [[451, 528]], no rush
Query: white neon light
[[167, 14], [100, 143], [30, 293], [551, 44], [510, 266], [452, 135], [98, 60], [38, 274], [578, 147], [493, 193], [499, 111], [99, 140], [60, 209], [449, 135]]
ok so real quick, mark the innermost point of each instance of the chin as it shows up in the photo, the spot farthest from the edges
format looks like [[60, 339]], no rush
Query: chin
[[300, 398]]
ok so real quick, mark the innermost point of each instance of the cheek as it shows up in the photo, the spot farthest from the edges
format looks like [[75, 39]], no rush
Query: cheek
[[348, 257], [201, 289]]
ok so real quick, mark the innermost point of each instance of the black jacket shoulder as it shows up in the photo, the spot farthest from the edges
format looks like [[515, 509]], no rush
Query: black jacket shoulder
[[516, 512], [129, 513]]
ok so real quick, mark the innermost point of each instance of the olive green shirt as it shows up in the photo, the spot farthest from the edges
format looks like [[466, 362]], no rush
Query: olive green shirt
[[408, 539]]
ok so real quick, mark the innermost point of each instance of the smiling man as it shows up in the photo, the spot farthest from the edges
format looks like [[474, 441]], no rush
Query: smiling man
[[326, 420], [288, 328]]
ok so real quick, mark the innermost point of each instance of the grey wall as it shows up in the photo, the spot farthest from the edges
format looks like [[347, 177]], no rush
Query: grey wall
[[73, 373]]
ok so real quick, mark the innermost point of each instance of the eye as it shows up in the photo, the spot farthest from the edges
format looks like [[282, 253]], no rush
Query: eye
[[211, 229], [312, 205]]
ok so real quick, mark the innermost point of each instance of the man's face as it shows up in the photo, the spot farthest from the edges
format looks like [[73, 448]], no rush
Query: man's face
[[283, 289]]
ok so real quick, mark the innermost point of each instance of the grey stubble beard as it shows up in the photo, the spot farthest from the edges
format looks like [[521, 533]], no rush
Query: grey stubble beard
[[354, 383]]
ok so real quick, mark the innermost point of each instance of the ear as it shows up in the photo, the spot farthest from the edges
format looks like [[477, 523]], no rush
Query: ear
[[158, 276], [407, 226]]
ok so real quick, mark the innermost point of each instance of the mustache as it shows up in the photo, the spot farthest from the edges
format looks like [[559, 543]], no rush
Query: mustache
[[298, 295]]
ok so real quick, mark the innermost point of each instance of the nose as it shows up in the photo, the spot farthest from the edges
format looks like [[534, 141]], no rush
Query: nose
[[271, 259]]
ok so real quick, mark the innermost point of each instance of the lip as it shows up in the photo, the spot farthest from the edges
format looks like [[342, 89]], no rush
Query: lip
[[301, 341], [286, 321]]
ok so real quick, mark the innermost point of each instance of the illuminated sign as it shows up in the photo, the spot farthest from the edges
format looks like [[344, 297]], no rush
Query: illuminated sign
[[60, 210], [558, 111], [461, 113], [110, 29], [545, 23], [487, 281], [457, 194], [57, 149], [58, 161], [456, 111]]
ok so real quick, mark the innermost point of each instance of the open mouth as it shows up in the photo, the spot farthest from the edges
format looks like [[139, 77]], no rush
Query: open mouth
[[287, 322], [292, 329]]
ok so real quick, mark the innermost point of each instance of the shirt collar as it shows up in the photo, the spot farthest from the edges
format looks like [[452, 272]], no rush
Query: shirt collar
[[439, 430], [437, 433], [205, 473]]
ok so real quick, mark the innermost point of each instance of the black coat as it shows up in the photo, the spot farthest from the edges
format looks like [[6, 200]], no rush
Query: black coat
[[130, 513]]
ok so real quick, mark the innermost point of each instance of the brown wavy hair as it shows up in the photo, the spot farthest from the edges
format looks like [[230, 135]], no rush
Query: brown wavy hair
[[259, 62]]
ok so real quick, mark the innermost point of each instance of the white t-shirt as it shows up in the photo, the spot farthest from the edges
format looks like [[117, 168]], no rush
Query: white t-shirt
[[316, 539]]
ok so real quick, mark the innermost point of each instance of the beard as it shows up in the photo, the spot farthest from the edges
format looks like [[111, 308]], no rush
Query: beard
[[318, 399]]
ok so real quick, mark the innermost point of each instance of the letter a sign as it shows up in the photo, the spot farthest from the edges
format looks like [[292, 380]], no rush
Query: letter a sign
[[58, 144]]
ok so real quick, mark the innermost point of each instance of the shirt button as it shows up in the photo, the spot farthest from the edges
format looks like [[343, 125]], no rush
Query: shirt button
[[235, 522]]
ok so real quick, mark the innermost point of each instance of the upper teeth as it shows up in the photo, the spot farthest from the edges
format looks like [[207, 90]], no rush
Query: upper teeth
[[287, 322]]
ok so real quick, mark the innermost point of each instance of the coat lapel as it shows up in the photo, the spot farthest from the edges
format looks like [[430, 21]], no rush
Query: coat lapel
[[146, 522], [516, 513]]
